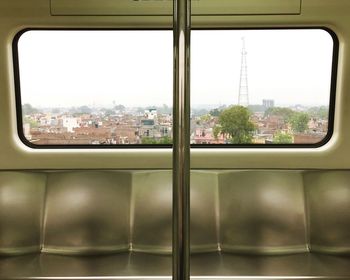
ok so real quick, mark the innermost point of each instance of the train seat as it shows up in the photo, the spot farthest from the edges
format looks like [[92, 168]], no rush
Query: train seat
[[256, 223]]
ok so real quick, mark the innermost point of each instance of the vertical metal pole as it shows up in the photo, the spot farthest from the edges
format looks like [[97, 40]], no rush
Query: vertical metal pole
[[181, 141]]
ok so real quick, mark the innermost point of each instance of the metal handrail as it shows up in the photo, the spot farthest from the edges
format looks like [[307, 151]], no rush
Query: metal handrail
[[181, 141]]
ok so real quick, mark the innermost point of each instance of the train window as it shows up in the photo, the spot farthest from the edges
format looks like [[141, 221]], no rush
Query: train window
[[256, 88], [95, 87], [262, 87]]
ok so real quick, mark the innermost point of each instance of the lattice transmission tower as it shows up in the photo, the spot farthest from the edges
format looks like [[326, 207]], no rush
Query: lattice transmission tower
[[243, 97]]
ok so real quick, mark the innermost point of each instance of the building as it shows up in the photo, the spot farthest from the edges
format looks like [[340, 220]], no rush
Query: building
[[70, 123], [26, 130], [151, 114], [147, 128], [268, 103]]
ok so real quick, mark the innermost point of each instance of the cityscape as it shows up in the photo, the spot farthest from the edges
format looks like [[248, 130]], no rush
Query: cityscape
[[255, 124], [240, 123]]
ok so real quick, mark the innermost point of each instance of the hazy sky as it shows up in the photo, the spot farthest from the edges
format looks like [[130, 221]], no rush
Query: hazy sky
[[135, 68]]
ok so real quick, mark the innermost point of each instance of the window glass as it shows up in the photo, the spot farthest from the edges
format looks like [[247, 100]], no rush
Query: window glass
[[114, 87], [96, 87], [260, 86]]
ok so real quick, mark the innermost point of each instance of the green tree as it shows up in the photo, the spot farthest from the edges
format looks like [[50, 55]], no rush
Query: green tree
[[162, 140], [107, 112], [165, 140], [119, 107], [148, 140], [235, 122], [215, 112], [217, 131], [32, 122], [205, 118], [199, 112], [28, 109], [285, 113], [319, 112], [282, 138], [299, 122], [84, 110]]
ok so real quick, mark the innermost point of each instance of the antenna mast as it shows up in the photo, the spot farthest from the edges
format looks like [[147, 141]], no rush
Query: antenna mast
[[243, 98]]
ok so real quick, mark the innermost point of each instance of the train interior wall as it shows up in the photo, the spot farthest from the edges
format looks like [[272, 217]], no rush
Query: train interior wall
[[255, 213]]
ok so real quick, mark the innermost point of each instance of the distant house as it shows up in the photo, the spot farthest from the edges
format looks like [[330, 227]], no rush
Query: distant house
[[206, 136], [147, 128], [70, 123], [308, 138], [151, 114]]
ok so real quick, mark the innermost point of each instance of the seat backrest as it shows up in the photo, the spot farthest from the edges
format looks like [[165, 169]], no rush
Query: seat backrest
[[98, 212]]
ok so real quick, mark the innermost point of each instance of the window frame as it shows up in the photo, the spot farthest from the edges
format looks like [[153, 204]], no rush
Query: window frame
[[325, 140]]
